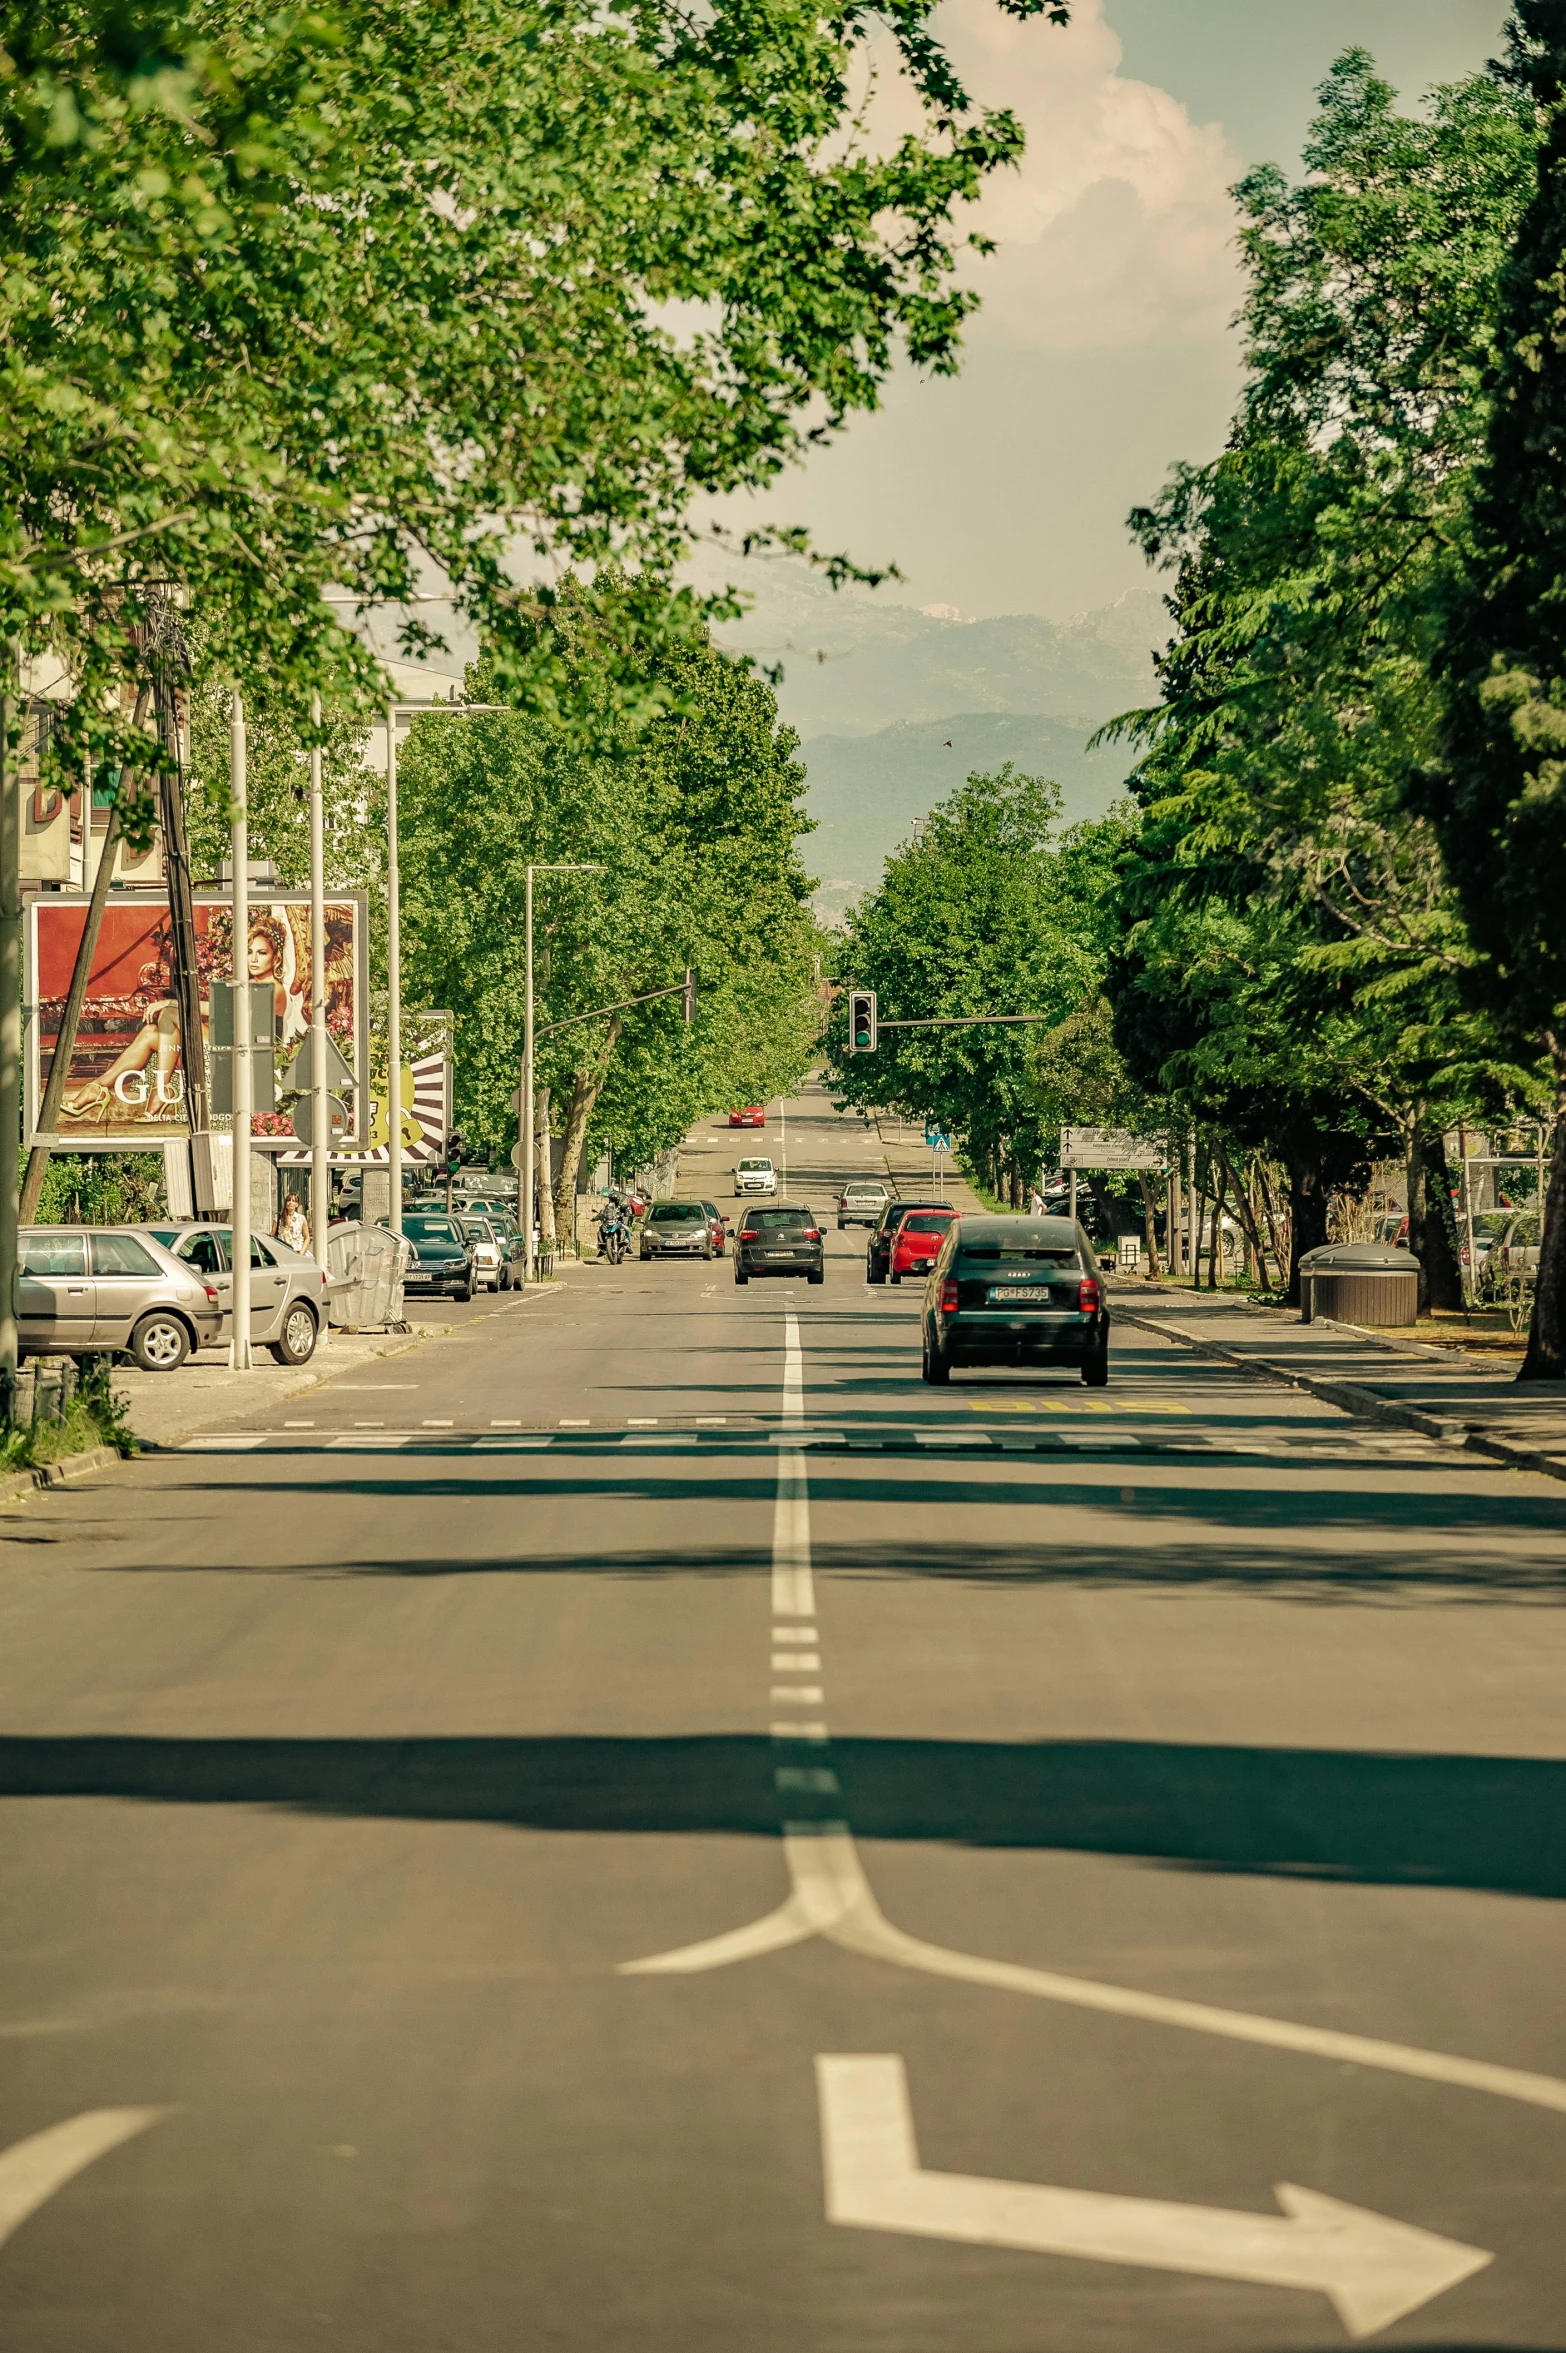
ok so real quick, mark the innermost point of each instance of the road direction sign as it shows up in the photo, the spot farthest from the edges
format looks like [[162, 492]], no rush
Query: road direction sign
[[1111, 1147], [1374, 2270]]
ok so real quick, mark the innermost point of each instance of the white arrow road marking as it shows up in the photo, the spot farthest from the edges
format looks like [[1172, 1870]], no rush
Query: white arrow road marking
[[32, 2170], [832, 1898], [1373, 2269]]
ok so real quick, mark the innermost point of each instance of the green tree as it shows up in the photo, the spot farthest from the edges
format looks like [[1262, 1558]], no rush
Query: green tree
[[1285, 891], [990, 909], [1498, 797], [694, 820], [343, 294]]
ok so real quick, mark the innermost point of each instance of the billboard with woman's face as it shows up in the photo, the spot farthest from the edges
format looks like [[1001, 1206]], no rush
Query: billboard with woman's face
[[126, 1084]]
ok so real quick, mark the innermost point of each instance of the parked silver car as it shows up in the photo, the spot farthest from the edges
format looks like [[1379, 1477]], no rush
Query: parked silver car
[[115, 1288], [287, 1290]]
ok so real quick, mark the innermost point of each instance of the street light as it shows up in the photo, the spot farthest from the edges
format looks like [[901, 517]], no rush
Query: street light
[[394, 712], [529, 1147]]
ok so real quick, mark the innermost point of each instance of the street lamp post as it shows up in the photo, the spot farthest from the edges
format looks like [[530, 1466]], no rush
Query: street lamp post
[[394, 712], [321, 1139], [243, 1090], [529, 1150]]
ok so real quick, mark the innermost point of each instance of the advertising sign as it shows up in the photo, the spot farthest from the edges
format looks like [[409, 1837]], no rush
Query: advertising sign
[[126, 1085], [1102, 1148]]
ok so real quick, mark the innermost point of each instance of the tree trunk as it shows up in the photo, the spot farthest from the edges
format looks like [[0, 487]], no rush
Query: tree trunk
[[586, 1087], [1215, 1247], [1307, 1217], [1546, 1357], [1430, 1235], [1246, 1214], [1149, 1229], [1280, 1255]]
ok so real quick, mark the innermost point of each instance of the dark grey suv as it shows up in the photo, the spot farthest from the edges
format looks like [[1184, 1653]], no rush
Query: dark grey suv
[[1016, 1290], [780, 1241]]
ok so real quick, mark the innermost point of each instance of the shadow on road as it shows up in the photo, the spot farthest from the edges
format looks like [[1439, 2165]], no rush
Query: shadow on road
[[1491, 1823]]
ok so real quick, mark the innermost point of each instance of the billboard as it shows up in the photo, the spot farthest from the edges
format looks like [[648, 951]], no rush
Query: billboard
[[126, 1085]]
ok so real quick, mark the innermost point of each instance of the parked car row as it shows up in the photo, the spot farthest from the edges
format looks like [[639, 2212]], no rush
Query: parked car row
[[155, 1293]]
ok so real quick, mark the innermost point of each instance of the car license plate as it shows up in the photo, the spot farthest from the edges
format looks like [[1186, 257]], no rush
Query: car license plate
[[1019, 1294]]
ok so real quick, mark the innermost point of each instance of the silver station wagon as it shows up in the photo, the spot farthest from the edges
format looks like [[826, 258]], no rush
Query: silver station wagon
[[114, 1289]]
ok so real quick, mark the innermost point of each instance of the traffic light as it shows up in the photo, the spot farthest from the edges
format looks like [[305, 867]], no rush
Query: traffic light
[[688, 996], [861, 1021], [456, 1147]]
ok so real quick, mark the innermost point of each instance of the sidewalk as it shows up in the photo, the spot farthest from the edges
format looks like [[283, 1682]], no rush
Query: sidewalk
[[163, 1408], [909, 1162], [1458, 1399]]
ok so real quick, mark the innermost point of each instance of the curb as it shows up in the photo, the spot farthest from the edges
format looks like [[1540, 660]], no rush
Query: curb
[[18, 1484], [1349, 1397]]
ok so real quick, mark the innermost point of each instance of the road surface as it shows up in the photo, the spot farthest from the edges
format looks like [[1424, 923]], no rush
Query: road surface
[[638, 1828]]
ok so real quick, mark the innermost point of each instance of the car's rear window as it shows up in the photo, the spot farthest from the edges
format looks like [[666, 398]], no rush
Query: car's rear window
[[779, 1217], [931, 1224], [988, 1253], [678, 1213], [431, 1229], [864, 1192]]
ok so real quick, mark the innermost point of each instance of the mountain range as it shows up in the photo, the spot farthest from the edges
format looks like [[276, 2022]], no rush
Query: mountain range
[[896, 705]]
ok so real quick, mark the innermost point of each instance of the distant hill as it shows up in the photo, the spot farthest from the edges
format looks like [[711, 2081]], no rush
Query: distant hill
[[871, 686], [854, 663], [867, 791]]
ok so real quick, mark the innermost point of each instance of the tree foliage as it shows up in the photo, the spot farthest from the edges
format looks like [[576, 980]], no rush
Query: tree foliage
[[991, 909], [694, 821]]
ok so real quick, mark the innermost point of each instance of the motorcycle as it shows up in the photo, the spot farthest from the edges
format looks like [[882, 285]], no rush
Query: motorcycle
[[614, 1233]]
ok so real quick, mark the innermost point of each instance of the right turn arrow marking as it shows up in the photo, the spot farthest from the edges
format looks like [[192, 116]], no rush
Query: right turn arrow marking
[[1373, 2269]]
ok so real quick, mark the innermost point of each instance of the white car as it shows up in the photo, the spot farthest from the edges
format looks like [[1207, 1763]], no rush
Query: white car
[[755, 1176]]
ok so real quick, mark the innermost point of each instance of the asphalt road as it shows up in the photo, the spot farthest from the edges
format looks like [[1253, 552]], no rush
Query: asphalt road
[[1143, 1798]]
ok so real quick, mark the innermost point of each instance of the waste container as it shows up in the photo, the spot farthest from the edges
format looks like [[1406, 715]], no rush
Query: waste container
[[366, 1265], [1359, 1283]]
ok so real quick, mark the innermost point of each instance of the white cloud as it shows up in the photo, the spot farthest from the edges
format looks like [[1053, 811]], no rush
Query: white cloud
[[1117, 228]]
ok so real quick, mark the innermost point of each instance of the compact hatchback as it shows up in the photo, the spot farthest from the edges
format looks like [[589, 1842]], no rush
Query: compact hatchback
[[916, 1240], [1016, 1290], [878, 1252], [111, 1288], [861, 1204], [749, 1115], [780, 1241], [442, 1257], [678, 1229], [755, 1176], [287, 1290]]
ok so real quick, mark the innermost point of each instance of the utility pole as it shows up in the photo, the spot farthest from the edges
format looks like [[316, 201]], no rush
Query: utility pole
[[10, 1034], [321, 1145], [244, 1094], [393, 981], [529, 1258]]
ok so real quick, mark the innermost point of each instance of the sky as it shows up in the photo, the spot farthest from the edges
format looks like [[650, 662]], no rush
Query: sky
[[1103, 352]]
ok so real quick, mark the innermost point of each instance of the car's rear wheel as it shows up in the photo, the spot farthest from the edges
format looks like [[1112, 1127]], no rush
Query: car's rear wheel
[[160, 1342], [295, 1343], [819, 1275], [936, 1368], [894, 1276], [740, 1276], [1095, 1372]]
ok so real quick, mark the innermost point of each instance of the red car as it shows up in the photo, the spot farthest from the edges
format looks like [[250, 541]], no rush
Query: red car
[[917, 1240], [752, 1116]]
